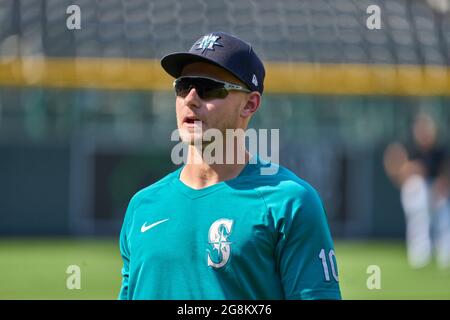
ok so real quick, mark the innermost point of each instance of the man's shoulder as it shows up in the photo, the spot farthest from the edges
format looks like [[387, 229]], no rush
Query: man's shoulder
[[284, 193], [282, 183]]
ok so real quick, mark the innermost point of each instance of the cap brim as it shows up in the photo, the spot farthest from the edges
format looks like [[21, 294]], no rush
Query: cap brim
[[174, 63]]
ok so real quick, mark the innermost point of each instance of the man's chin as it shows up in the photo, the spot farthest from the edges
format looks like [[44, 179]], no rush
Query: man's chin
[[192, 139]]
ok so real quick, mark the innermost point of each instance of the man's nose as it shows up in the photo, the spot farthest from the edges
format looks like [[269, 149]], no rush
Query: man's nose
[[192, 99]]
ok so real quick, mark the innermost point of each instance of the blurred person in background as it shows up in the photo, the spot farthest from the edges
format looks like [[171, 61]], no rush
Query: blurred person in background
[[421, 171]]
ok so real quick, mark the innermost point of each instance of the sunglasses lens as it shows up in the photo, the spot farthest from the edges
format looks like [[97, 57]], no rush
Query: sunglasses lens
[[206, 88], [182, 87], [215, 93]]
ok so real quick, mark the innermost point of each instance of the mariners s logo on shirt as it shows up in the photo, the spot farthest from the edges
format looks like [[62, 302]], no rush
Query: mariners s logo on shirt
[[218, 235]]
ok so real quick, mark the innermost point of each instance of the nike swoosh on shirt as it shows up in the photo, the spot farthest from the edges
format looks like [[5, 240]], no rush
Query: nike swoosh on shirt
[[145, 228]]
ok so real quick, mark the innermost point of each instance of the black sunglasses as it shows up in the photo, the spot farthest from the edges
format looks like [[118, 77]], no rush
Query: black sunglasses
[[207, 88]]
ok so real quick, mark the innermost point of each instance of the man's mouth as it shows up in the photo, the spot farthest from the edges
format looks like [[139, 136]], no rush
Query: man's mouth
[[191, 120]]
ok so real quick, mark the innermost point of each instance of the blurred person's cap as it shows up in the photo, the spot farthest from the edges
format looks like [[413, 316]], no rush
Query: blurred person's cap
[[225, 51]]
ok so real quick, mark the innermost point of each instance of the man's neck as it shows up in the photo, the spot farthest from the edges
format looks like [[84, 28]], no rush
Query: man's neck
[[202, 175]]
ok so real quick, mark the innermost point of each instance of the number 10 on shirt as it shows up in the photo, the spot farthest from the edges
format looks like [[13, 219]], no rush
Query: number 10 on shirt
[[323, 257]]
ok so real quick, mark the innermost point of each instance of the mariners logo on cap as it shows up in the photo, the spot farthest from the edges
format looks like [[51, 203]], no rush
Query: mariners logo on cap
[[207, 43]]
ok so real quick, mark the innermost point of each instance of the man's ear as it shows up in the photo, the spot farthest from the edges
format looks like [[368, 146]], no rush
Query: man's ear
[[253, 103]]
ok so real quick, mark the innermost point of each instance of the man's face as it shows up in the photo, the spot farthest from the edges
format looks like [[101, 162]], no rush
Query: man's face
[[220, 114], [424, 131]]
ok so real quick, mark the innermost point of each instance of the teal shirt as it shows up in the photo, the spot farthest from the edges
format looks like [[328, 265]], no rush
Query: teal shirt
[[253, 237]]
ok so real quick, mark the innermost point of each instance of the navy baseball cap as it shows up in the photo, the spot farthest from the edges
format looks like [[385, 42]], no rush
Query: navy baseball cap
[[224, 50]]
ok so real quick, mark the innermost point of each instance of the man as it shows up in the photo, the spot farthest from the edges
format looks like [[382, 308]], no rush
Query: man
[[422, 175], [224, 231]]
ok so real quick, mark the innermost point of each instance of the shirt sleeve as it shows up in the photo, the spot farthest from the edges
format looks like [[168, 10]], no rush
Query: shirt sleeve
[[305, 251], [125, 253]]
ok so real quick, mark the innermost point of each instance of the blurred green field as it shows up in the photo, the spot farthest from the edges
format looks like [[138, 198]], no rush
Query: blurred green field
[[36, 269]]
